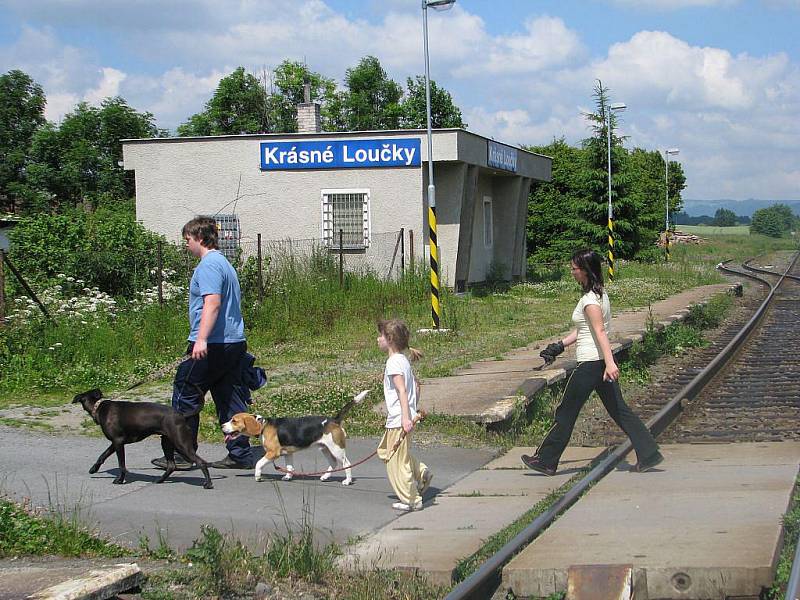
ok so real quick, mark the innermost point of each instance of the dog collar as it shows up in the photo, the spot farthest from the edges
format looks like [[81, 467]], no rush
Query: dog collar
[[96, 406]]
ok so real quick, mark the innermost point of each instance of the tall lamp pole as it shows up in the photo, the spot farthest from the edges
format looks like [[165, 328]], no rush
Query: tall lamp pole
[[612, 107], [436, 309], [666, 185]]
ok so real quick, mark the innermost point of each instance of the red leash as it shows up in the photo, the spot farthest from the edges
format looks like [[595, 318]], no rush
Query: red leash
[[420, 415]]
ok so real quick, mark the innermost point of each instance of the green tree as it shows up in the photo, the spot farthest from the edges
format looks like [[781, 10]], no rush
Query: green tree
[[22, 103], [372, 99], [289, 80], [237, 106], [78, 161], [774, 221], [724, 217], [444, 112]]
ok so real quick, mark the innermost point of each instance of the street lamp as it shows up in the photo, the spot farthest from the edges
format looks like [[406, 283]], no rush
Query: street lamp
[[434, 252], [612, 107], [667, 154]]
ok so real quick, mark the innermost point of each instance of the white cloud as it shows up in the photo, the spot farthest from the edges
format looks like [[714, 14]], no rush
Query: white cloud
[[675, 4], [736, 117]]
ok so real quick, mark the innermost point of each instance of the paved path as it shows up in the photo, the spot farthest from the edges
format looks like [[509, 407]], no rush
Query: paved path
[[54, 471], [489, 390]]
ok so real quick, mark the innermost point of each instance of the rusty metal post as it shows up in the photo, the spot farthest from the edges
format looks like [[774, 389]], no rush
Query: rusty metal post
[[260, 272], [402, 251], [411, 248], [160, 269], [2, 289], [341, 257]]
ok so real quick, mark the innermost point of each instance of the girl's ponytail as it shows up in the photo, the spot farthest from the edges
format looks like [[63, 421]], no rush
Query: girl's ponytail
[[414, 354]]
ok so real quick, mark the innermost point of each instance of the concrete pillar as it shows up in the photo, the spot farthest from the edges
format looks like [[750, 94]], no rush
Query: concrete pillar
[[465, 234], [519, 266]]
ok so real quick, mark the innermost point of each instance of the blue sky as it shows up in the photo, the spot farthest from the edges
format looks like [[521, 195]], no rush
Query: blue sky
[[719, 79]]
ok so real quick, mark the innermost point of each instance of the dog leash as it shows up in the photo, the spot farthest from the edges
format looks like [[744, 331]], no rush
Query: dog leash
[[420, 416]]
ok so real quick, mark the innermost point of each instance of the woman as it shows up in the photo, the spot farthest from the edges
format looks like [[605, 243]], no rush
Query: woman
[[596, 371]]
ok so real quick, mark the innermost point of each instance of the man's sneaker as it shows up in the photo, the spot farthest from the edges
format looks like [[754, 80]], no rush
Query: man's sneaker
[[181, 464], [407, 507], [229, 463], [649, 464], [535, 463], [427, 477]]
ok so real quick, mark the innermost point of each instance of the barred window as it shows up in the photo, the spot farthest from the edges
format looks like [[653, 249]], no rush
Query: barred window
[[228, 234], [348, 211]]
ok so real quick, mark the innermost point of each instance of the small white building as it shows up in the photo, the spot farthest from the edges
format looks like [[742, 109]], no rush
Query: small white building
[[367, 184]]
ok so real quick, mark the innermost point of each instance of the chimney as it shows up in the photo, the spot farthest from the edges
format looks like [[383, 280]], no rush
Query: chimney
[[308, 119]]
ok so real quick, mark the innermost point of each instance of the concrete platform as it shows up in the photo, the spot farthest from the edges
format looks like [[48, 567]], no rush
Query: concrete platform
[[488, 391], [705, 524], [454, 524]]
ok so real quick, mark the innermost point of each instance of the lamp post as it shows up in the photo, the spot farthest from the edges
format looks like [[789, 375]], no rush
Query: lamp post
[[434, 252], [611, 107], [666, 185]]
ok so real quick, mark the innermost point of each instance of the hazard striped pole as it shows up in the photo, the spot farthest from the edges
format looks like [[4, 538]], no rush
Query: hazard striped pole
[[666, 185], [611, 107], [436, 308], [610, 244]]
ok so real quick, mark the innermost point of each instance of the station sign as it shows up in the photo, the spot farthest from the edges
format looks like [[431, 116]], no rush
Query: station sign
[[340, 154], [501, 156]]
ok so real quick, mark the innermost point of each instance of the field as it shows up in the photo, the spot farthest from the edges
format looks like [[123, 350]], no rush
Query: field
[[710, 230]]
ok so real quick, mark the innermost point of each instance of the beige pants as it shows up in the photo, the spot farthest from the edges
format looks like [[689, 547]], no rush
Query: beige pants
[[404, 471]]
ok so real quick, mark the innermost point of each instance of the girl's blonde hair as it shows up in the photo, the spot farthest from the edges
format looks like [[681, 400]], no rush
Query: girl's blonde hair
[[397, 334]]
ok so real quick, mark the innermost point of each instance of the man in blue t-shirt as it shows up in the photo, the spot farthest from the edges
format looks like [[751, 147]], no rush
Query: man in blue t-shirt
[[216, 343]]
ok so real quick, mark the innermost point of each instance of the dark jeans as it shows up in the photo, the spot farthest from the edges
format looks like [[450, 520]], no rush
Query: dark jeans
[[218, 372], [586, 378]]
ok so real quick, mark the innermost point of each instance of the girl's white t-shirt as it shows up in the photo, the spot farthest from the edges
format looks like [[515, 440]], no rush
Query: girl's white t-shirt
[[398, 364], [586, 346]]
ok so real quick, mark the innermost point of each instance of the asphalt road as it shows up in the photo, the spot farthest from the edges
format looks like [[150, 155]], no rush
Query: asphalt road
[[53, 472]]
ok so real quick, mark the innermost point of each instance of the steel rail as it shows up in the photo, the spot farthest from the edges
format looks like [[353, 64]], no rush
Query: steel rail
[[746, 265], [487, 578]]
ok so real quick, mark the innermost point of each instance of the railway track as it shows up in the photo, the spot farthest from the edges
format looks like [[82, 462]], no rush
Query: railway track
[[748, 390]]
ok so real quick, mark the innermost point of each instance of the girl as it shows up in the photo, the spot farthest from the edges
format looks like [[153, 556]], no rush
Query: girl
[[596, 371], [409, 477]]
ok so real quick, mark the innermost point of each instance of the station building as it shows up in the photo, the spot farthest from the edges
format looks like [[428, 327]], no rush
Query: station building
[[367, 185]]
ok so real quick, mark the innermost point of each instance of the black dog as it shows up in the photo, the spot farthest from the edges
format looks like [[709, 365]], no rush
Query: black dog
[[130, 422]]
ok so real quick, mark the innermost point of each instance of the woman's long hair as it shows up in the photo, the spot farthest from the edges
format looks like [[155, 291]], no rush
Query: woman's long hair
[[589, 262]]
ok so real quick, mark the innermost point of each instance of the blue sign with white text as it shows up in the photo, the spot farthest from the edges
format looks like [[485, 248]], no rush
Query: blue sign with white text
[[501, 156], [340, 154]]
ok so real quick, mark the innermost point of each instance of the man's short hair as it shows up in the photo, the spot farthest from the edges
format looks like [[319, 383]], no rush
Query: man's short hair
[[203, 229]]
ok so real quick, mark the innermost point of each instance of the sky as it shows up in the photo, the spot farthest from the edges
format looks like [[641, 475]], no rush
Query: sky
[[717, 79]]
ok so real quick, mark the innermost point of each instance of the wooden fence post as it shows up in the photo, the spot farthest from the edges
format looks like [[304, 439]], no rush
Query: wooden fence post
[[260, 272], [160, 259]]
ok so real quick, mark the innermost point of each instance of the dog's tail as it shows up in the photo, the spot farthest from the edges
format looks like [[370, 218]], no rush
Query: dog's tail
[[346, 408]]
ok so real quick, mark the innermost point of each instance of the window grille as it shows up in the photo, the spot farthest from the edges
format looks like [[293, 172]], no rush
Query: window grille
[[348, 211], [229, 235]]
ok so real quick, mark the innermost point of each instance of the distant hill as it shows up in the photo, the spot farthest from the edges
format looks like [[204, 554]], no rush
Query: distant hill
[[746, 208]]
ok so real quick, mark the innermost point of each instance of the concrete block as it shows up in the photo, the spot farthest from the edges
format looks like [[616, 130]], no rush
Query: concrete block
[[97, 585]]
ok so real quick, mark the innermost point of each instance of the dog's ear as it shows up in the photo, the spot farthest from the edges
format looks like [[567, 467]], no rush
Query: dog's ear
[[253, 426], [95, 393], [260, 419]]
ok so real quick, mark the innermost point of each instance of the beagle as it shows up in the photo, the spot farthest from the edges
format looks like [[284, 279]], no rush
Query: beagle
[[286, 435]]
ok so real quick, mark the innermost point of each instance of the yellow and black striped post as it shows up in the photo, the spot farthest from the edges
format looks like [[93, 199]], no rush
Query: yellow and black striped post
[[436, 309], [610, 249], [666, 244]]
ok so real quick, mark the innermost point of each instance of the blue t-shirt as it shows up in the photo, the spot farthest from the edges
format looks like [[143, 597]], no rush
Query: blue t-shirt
[[215, 275]]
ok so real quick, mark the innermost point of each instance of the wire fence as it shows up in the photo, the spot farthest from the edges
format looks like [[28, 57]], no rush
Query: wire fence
[[161, 273]]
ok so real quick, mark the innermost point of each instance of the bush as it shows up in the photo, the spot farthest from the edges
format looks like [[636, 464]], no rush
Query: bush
[[108, 249]]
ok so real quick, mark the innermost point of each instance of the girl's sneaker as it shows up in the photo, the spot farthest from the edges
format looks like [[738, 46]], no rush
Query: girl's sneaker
[[407, 507]]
